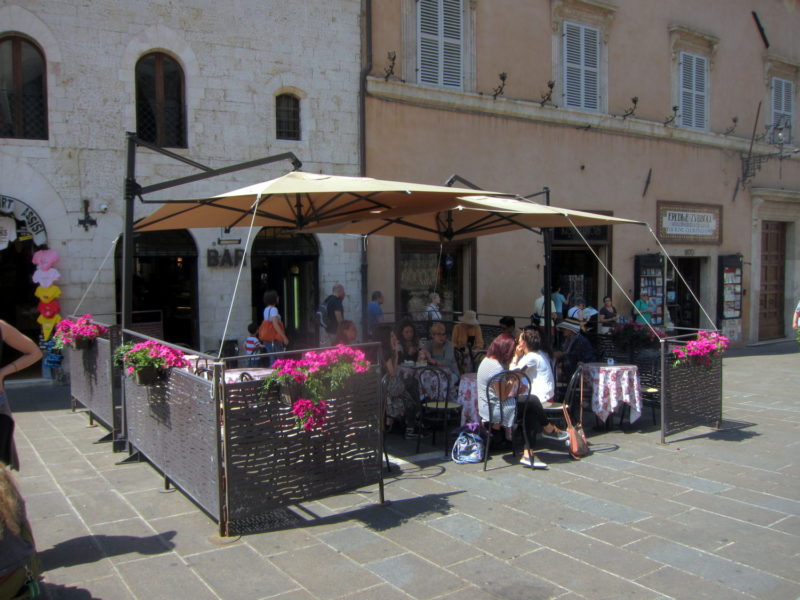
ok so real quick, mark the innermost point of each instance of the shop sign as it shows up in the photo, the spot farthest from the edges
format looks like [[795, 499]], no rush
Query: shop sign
[[224, 258], [684, 223], [23, 212]]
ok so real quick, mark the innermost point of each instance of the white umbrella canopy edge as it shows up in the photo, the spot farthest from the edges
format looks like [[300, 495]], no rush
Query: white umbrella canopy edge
[[471, 216], [299, 200]]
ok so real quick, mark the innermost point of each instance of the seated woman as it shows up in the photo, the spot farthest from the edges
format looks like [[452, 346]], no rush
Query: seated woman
[[397, 400], [530, 358], [498, 359], [409, 342], [346, 333], [439, 351]]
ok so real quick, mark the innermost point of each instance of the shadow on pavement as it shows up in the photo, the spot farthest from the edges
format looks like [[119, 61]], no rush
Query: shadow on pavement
[[51, 591], [91, 548], [729, 431], [38, 396], [778, 347]]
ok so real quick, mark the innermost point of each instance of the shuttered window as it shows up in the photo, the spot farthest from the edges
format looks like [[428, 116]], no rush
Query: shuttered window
[[440, 43], [782, 109], [581, 66], [694, 84]]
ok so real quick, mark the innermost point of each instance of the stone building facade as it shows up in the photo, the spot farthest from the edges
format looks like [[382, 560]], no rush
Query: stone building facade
[[681, 114], [236, 60]]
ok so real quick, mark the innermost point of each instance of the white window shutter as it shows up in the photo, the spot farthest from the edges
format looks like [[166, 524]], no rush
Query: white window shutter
[[440, 35], [782, 109], [693, 75], [581, 58]]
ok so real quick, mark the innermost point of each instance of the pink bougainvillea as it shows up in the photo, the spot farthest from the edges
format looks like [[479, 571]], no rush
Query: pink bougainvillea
[[318, 374], [702, 351]]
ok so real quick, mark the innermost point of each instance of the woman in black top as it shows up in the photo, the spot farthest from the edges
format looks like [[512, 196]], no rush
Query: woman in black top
[[409, 342], [608, 315]]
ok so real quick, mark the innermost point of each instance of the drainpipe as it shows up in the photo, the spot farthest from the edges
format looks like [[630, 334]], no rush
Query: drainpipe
[[362, 146]]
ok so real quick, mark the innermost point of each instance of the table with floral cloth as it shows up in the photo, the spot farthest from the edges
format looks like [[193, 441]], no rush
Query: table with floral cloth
[[468, 398], [613, 385]]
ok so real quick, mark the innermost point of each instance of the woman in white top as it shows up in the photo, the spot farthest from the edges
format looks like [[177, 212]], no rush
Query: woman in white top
[[530, 358]]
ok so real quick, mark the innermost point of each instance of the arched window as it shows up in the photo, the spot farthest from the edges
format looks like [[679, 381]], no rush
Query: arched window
[[160, 113], [287, 117], [23, 93]]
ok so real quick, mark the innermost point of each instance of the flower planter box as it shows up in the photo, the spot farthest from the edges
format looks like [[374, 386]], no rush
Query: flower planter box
[[148, 375]]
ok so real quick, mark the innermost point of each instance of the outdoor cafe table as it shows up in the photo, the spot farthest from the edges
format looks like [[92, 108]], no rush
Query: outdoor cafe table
[[613, 385]]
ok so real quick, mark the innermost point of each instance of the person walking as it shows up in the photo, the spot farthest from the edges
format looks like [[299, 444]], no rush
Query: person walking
[[274, 340], [30, 354], [335, 307], [374, 313], [432, 311], [644, 312]]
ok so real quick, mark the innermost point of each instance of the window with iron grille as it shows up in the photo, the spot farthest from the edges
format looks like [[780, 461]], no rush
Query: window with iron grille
[[581, 59], [287, 117], [160, 110], [23, 92], [782, 110], [440, 43]]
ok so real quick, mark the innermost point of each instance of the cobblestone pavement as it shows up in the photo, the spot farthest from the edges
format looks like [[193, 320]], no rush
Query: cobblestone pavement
[[711, 514]]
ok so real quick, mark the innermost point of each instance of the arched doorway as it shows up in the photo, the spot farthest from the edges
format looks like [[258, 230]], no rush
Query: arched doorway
[[21, 234], [287, 263], [164, 283]]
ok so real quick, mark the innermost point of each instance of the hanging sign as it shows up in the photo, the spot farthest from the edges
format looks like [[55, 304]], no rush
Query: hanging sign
[[22, 212], [684, 223]]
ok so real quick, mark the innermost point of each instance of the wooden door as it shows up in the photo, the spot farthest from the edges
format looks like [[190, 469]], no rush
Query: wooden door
[[773, 271]]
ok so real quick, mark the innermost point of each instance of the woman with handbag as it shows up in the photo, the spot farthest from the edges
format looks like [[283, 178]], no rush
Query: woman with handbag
[[271, 331], [30, 354]]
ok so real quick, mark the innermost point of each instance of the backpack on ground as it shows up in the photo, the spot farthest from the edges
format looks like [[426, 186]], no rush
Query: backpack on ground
[[468, 448]]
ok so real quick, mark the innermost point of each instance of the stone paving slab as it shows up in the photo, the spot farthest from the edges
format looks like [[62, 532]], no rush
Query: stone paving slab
[[712, 514]]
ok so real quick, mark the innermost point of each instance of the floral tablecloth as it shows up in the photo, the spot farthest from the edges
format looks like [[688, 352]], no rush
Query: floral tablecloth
[[468, 398], [611, 386]]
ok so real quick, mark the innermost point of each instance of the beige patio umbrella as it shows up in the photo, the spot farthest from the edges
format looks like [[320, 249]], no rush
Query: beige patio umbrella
[[468, 217], [299, 200]]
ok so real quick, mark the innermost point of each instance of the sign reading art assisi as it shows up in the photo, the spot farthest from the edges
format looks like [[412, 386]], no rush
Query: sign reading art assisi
[[680, 222], [22, 212]]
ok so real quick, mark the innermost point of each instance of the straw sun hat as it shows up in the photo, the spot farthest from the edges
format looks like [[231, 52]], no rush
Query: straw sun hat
[[469, 317]]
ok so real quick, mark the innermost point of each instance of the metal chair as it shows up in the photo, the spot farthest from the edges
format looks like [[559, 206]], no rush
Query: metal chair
[[503, 386], [649, 388], [436, 409]]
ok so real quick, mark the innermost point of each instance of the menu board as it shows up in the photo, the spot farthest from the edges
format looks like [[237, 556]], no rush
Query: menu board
[[729, 305]]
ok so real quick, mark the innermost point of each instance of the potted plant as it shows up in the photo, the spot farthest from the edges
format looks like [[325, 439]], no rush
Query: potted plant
[[78, 333], [148, 361], [312, 379], [704, 350]]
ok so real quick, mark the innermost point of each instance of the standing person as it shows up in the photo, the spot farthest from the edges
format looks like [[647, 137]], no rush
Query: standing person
[[559, 300], [538, 309], [608, 315], [374, 313], [582, 313], [335, 306], [275, 339], [796, 318], [19, 562], [645, 311], [252, 345], [30, 354], [432, 311]]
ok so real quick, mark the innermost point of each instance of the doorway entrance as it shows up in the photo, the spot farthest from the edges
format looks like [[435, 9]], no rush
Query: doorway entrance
[[287, 263], [17, 302], [575, 271], [773, 276], [683, 309], [164, 284]]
